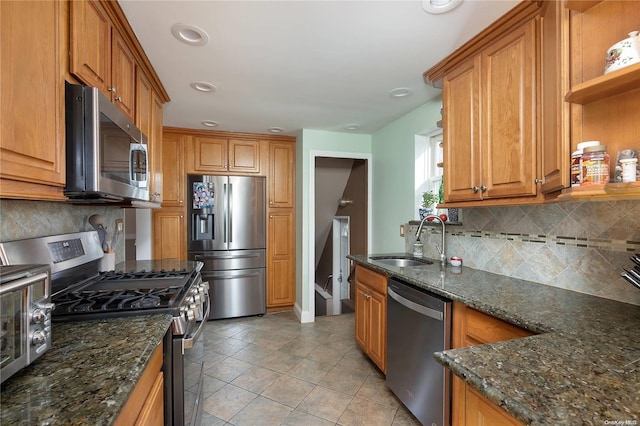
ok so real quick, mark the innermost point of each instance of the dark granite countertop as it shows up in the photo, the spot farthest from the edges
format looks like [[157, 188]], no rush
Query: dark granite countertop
[[87, 375], [583, 367], [92, 367]]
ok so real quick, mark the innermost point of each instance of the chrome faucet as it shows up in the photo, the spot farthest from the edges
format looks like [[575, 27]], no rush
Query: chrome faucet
[[440, 248]]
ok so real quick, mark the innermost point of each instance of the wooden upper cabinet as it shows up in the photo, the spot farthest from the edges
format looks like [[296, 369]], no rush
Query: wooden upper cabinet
[[461, 130], [155, 149], [221, 155], [509, 117], [32, 64], [173, 171], [281, 175], [90, 55], [244, 156], [99, 56], [123, 75], [490, 119], [209, 154]]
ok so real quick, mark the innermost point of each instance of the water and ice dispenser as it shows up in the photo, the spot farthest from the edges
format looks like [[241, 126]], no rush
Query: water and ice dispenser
[[203, 211]]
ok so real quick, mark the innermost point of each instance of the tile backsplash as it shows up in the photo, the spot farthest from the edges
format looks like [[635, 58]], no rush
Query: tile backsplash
[[577, 246], [21, 219]]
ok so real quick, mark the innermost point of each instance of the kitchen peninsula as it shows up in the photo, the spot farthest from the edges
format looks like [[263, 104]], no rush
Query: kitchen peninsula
[[582, 367]]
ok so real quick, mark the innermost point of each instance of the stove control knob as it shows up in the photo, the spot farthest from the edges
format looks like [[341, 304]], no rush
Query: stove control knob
[[38, 338], [38, 316], [196, 298], [190, 314]]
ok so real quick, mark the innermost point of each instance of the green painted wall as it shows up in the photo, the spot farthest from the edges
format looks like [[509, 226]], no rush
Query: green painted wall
[[393, 149], [308, 141]]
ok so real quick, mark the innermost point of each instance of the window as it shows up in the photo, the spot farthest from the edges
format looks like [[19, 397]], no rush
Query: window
[[428, 165]]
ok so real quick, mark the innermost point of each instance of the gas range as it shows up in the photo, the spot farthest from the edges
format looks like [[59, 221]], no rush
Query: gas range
[[180, 293], [81, 292]]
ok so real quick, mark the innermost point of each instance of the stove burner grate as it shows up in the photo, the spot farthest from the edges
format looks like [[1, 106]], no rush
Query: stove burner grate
[[83, 301], [141, 275]]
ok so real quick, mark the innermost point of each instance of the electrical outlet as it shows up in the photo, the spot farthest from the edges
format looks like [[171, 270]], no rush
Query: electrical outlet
[[402, 230], [119, 225]]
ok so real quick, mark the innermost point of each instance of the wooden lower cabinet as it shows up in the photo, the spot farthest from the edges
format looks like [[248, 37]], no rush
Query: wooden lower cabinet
[[281, 267], [145, 406], [371, 315], [169, 233], [472, 327]]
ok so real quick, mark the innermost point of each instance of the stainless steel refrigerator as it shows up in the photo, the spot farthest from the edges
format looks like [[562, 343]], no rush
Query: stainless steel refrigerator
[[226, 222]]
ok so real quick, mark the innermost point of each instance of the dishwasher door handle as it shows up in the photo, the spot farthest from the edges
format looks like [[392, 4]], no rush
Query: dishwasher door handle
[[431, 313]]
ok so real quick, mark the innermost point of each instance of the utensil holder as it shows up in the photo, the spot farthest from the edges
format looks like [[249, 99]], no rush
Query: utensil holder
[[108, 262]]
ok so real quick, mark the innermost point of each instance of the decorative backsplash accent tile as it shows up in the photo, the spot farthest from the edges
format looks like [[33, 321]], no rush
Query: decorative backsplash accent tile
[[577, 246], [21, 219]]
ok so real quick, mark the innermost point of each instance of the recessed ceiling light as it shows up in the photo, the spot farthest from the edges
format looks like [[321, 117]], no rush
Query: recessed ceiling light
[[203, 86], [440, 6], [210, 123], [275, 129], [190, 34], [352, 126], [400, 92]]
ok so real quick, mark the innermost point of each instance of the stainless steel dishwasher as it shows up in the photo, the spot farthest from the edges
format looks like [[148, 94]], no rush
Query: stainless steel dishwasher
[[418, 324]]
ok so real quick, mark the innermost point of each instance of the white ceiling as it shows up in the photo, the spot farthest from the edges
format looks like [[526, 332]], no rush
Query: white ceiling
[[301, 64]]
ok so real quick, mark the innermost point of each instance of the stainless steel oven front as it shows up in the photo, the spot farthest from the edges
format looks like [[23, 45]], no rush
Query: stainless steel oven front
[[183, 359]]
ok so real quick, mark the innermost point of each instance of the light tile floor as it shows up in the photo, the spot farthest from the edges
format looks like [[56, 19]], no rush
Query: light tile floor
[[273, 370]]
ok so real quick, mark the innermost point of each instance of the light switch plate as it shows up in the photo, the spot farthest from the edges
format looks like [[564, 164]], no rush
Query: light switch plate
[[402, 231]]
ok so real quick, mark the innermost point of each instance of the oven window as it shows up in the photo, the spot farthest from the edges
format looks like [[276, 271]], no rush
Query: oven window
[[11, 328]]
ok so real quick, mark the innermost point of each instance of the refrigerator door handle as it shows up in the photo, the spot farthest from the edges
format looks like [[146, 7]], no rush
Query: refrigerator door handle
[[233, 256], [225, 214], [230, 212]]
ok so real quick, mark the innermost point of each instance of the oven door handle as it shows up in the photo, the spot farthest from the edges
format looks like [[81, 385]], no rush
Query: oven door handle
[[190, 341]]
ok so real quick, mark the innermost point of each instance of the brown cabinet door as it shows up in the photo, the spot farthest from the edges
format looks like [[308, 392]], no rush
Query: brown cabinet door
[[281, 259], [472, 327], [244, 156], [281, 174], [509, 136], [155, 149], [173, 176], [169, 234], [32, 108], [90, 56], [209, 154], [152, 413], [361, 315], [123, 75], [378, 329], [462, 161]]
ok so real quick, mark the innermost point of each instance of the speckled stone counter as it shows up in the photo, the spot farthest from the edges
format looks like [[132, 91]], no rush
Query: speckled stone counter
[[87, 375], [584, 367]]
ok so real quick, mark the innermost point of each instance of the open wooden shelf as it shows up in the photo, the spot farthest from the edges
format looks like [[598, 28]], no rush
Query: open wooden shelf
[[581, 5], [614, 83], [607, 191]]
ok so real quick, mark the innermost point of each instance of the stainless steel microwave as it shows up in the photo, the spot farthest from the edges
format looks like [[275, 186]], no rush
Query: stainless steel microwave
[[107, 157]]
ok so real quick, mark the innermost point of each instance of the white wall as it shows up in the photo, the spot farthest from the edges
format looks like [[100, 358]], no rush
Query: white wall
[[393, 149], [309, 141]]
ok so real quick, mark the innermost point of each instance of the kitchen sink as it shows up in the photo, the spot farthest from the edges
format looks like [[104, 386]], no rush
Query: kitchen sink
[[401, 261]]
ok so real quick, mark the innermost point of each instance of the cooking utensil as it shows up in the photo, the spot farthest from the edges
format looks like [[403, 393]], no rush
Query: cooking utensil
[[96, 221]]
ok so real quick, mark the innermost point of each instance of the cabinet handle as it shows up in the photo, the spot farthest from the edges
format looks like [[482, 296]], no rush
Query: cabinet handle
[[118, 99], [483, 188], [271, 202], [538, 180], [476, 188], [180, 201], [270, 216], [111, 89]]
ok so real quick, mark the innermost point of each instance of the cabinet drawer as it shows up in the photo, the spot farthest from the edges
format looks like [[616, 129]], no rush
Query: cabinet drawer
[[482, 328], [371, 279]]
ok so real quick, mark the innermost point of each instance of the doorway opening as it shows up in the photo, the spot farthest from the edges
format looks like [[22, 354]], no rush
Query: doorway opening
[[341, 225]]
